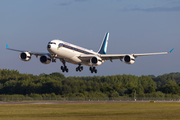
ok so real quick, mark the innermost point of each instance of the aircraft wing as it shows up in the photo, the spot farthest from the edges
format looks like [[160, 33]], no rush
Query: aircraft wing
[[30, 52], [120, 56]]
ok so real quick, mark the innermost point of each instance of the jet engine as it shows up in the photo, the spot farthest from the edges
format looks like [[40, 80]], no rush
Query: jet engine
[[95, 61], [45, 59], [129, 59], [25, 56]]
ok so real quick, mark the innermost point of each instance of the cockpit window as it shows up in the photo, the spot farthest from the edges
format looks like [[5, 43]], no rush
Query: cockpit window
[[52, 43], [60, 44]]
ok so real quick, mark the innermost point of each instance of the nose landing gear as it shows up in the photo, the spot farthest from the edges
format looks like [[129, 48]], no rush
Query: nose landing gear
[[54, 58]]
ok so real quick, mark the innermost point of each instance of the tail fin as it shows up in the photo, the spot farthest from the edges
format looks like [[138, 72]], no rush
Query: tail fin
[[104, 44]]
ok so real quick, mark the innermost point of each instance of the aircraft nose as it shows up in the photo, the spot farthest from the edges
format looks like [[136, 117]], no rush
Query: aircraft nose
[[49, 46]]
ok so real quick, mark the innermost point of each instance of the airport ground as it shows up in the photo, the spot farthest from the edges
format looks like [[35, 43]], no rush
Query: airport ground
[[88, 110]]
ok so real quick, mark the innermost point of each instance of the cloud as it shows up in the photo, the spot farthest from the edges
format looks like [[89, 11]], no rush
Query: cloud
[[157, 9], [80, 0], [65, 3], [69, 3]]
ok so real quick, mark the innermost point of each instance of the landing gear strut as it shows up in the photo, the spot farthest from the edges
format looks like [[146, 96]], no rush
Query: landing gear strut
[[93, 69], [64, 67], [79, 68], [54, 58]]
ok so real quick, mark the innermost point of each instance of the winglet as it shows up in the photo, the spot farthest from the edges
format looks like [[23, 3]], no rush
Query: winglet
[[7, 47], [171, 50]]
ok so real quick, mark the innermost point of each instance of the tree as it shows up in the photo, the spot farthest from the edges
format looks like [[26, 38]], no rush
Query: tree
[[171, 87]]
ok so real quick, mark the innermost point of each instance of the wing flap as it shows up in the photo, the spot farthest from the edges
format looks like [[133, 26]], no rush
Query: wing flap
[[86, 57], [103, 56], [112, 56]]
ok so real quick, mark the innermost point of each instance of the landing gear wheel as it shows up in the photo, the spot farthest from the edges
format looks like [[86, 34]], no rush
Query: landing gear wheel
[[53, 60], [93, 69], [64, 68], [79, 68]]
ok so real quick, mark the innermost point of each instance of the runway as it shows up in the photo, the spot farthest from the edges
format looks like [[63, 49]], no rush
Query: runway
[[74, 102]]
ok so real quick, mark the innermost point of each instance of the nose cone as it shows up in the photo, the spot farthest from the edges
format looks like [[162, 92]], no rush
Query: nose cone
[[49, 46]]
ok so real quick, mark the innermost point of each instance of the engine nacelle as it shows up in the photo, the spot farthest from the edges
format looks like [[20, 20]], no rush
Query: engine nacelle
[[45, 59], [25, 56], [95, 61], [129, 59]]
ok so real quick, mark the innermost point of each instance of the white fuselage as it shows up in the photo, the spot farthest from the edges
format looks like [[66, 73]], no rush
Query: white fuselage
[[70, 52]]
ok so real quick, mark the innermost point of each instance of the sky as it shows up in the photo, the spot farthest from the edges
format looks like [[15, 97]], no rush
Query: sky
[[139, 26]]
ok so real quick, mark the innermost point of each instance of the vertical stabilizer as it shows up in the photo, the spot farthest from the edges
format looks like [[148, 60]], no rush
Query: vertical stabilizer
[[103, 48]]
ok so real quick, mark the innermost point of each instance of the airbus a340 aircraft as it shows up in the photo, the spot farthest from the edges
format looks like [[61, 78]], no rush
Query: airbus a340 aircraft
[[67, 52]]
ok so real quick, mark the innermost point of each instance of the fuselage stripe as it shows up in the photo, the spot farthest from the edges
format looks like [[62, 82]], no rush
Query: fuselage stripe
[[76, 49]]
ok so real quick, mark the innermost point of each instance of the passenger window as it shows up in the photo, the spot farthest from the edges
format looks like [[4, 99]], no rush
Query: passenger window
[[60, 45]]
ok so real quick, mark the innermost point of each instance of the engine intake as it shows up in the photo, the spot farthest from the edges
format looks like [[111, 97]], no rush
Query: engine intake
[[95, 61], [45, 59], [25, 56], [129, 59]]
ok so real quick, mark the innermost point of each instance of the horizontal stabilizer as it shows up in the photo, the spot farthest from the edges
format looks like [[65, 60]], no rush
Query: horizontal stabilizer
[[7, 46], [171, 50]]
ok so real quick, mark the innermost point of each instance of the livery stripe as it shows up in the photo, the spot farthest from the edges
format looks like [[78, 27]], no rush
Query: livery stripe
[[76, 49]]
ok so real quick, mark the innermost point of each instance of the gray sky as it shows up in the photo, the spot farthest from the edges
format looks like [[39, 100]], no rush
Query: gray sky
[[139, 26]]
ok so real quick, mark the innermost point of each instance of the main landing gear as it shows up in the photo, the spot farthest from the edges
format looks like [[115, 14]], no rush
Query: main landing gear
[[79, 68], [93, 69], [64, 67]]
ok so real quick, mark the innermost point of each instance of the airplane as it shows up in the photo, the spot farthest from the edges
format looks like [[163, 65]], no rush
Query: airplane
[[66, 52]]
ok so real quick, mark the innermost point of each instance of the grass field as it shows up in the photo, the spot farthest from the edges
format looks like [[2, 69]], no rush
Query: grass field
[[95, 111]]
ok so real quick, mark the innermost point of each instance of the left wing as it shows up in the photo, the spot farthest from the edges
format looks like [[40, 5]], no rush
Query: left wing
[[119, 56], [30, 52]]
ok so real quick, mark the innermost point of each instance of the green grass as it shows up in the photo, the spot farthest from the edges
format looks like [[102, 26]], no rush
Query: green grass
[[95, 111]]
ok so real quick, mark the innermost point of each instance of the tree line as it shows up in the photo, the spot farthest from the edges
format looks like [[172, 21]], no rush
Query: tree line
[[56, 84]]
